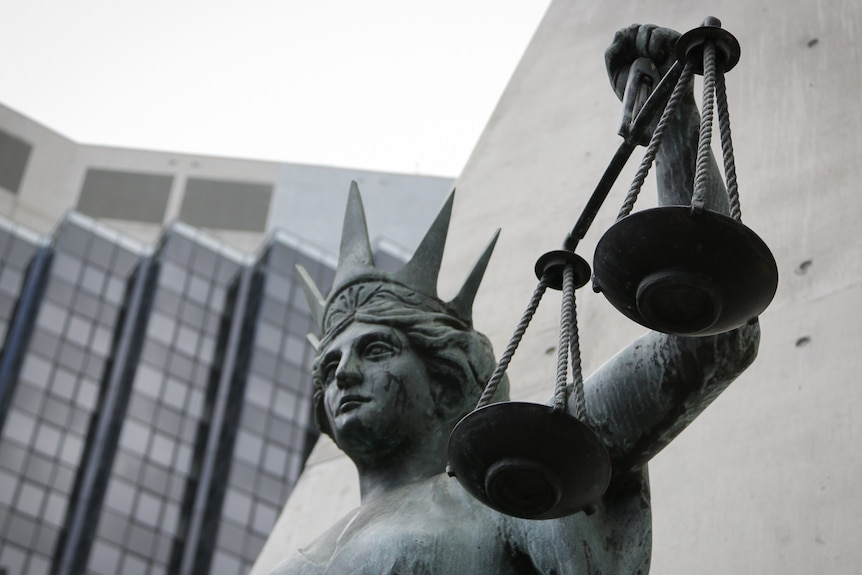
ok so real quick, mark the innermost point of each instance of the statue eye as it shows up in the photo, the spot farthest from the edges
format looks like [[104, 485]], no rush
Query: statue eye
[[328, 370], [379, 350]]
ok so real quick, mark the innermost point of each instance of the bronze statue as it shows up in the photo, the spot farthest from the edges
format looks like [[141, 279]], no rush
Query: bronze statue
[[397, 368]]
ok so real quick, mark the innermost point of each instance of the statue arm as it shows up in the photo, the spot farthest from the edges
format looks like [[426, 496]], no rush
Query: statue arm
[[650, 391], [675, 162]]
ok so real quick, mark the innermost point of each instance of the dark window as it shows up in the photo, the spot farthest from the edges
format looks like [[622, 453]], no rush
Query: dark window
[[14, 154], [226, 204], [125, 195]]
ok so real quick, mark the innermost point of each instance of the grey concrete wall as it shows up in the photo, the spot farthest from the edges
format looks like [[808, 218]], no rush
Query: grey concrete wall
[[767, 479], [44, 195]]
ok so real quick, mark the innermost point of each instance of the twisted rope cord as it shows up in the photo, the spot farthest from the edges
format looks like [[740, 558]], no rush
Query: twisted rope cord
[[503, 364], [655, 142], [727, 147], [566, 314], [701, 174], [577, 374]]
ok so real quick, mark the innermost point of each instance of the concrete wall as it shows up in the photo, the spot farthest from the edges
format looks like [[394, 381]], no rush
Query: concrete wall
[[767, 479], [44, 195]]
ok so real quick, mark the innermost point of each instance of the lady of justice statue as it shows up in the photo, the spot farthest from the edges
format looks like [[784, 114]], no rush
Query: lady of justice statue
[[397, 368]]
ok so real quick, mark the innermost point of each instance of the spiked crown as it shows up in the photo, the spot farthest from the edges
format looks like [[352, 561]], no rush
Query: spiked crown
[[356, 264]]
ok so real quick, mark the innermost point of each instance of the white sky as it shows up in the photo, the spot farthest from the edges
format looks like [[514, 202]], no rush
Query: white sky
[[393, 85]]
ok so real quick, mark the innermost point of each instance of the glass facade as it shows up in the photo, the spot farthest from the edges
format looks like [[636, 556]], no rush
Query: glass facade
[[274, 428], [152, 469], [22, 252], [54, 397], [158, 399]]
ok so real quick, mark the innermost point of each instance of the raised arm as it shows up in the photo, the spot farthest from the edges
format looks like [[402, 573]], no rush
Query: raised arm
[[675, 163], [650, 391]]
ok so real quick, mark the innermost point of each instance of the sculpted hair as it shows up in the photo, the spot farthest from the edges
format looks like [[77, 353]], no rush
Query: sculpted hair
[[459, 360]]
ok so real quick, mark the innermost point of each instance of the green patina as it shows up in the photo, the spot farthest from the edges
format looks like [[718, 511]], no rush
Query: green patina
[[397, 368]]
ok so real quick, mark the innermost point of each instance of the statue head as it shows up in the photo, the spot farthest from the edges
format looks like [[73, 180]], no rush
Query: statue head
[[402, 310]]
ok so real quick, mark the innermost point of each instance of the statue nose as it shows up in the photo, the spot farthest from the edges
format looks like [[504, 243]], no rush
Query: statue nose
[[348, 373]]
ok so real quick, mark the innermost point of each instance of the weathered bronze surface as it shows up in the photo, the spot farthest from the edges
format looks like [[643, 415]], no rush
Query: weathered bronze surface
[[685, 273], [528, 460], [684, 269], [398, 368]]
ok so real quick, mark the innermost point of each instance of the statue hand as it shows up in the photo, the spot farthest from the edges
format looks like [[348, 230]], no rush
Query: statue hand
[[637, 41]]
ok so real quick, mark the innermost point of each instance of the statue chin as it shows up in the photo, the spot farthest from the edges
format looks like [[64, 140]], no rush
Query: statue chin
[[365, 438]]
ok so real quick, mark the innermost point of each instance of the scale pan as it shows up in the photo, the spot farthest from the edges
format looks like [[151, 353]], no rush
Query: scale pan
[[528, 460], [685, 273]]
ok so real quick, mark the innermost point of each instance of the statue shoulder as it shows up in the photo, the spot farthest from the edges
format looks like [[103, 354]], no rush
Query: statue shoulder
[[615, 537], [315, 557], [296, 564]]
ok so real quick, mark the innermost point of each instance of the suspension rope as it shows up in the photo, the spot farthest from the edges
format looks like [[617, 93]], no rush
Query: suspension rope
[[566, 315], [676, 96], [577, 373], [503, 364], [727, 147], [701, 174]]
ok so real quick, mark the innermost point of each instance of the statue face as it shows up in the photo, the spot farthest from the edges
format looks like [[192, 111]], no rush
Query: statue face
[[377, 391]]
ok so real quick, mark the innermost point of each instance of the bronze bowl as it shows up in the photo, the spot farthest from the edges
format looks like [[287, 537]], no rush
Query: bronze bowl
[[529, 460], [683, 272]]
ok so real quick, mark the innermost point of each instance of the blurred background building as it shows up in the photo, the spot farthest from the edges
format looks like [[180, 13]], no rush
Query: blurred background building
[[154, 375]]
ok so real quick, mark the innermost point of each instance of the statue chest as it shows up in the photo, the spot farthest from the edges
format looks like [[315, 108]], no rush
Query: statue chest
[[435, 528], [418, 531]]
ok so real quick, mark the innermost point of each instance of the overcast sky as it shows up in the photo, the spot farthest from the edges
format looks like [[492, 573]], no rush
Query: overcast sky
[[393, 85]]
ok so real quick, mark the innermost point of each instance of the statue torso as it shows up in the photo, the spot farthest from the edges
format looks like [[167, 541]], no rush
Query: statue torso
[[435, 528]]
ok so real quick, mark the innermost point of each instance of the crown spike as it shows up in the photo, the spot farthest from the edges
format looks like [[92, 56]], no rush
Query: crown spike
[[422, 270], [355, 257], [356, 264], [462, 304], [316, 301]]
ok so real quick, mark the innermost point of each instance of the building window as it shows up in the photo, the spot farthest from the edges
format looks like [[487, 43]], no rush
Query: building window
[[125, 195], [224, 204], [14, 154]]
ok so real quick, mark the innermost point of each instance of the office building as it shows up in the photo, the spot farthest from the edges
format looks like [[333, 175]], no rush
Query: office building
[[154, 377]]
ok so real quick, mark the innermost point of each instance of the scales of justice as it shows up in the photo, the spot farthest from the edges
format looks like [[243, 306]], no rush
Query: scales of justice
[[682, 270], [399, 371]]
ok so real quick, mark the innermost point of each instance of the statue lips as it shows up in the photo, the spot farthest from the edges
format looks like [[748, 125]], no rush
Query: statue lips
[[351, 402]]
